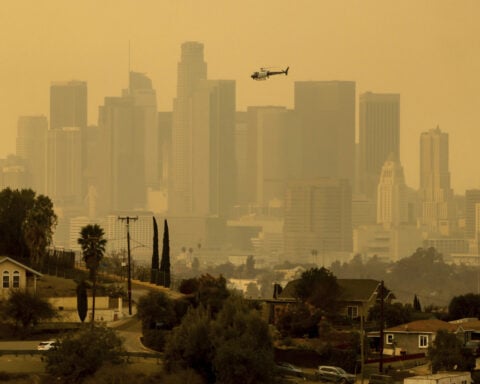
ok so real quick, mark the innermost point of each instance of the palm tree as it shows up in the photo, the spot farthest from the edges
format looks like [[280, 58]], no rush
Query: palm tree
[[93, 247]]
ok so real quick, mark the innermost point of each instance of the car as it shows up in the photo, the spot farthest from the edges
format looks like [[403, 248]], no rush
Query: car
[[47, 345], [335, 374], [474, 346], [284, 368]]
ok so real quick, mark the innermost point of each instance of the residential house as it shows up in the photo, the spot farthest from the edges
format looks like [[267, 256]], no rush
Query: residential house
[[357, 296], [470, 328], [16, 275], [412, 338]]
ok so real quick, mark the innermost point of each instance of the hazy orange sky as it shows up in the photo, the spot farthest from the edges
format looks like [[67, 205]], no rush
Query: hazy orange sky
[[428, 51]]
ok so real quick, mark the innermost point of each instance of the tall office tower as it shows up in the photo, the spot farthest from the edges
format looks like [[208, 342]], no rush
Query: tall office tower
[[64, 146], [121, 181], [326, 113], [212, 185], [165, 145], [202, 178], [68, 108], [241, 148], [191, 69], [270, 143], [128, 131], [68, 104], [145, 101], [379, 137], [318, 217], [436, 196], [392, 202], [31, 146], [472, 198]]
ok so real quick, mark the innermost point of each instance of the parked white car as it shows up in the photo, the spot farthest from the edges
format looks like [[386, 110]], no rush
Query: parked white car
[[47, 345]]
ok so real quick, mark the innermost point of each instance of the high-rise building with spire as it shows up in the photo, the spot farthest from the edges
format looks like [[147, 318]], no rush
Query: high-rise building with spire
[[392, 203]]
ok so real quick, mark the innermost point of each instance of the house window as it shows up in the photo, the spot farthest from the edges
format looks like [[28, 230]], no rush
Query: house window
[[389, 338], [16, 279], [423, 341], [352, 312], [6, 280]]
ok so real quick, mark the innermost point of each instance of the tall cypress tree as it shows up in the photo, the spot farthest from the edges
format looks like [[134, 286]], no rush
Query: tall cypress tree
[[416, 304], [155, 256], [82, 301], [164, 275]]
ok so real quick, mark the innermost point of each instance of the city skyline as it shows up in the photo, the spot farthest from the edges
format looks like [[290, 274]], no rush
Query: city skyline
[[420, 50]]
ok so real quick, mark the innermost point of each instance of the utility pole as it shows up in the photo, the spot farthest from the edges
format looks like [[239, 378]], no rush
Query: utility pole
[[129, 275], [380, 367]]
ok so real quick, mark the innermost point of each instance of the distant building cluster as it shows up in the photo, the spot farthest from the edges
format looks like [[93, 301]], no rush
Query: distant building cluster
[[277, 183]]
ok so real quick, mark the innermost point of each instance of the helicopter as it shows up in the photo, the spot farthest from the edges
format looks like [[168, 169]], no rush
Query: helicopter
[[264, 73]]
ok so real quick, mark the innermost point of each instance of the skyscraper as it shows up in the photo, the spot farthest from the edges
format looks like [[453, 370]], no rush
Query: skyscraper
[[68, 104], [379, 121], [318, 217], [267, 156], [64, 176], [191, 69], [436, 195], [68, 109], [31, 147], [145, 101], [326, 118], [472, 198], [122, 167], [392, 203], [203, 136], [128, 157]]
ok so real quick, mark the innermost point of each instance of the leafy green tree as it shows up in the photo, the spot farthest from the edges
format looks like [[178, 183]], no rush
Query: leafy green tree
[[319, 287], [26, 309], [165, 262], [190, 345], [298, 320], [26, 223], [243, 346], [212, 292], [189, 286], [155, 255], [93, 244], [80, 354], [38, 227], [446, 354], [393, 314], [82, 300], [235, 347], [159, 314], [227, 269], [206, 290], [464, 306]]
